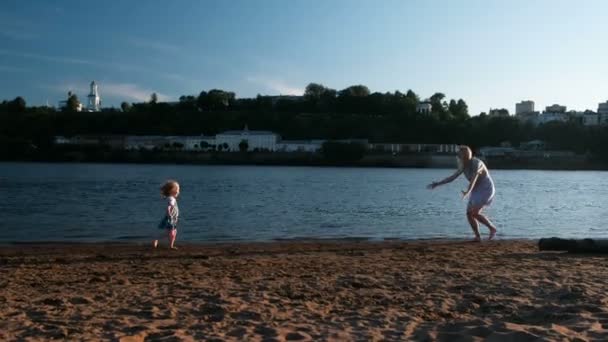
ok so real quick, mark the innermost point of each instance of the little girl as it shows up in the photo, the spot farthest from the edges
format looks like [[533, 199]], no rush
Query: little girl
[[170, 190]]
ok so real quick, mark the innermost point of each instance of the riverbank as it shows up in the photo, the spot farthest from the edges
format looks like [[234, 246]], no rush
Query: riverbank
[[434, 290], [421, 160]]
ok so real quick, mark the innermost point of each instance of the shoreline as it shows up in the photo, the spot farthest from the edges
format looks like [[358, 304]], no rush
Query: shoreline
[[500, 290], [373, 160], [193, 245], [545, 166]]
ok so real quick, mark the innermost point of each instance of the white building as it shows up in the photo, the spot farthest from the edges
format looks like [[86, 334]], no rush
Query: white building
[[94, 104], [261, 140], [198, 143], [524, 107], [551, 116], [554, 113], [424, 107], [591, 119]]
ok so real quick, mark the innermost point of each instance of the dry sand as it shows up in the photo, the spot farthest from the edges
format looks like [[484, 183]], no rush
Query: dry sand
[[447, 291]]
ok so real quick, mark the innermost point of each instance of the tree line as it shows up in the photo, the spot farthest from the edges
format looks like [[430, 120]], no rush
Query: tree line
[[321, 113]]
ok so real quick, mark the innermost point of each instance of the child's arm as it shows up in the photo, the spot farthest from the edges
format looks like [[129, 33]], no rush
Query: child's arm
[[171, 208]]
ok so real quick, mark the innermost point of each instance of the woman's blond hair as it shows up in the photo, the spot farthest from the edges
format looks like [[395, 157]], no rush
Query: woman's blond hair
[[169, 188]]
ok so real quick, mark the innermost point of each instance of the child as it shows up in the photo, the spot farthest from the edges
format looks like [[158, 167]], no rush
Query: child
[[170, 190]]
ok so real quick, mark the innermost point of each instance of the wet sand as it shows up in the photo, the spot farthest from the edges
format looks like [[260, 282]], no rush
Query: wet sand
[[439, 290]]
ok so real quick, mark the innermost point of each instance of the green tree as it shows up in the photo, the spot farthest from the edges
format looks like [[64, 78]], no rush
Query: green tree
[[125, 106], [355, 91], [17, 105], [73, 103], [243, 145], [436, 103], [463, 109], [314, 91], [153, 98], [216, 99]]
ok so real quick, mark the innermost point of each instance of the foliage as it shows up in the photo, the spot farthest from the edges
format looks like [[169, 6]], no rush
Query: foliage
[[243, 145], [322, 113]]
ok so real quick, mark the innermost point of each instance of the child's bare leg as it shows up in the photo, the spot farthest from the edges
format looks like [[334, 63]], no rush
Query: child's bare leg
[[172, 236], [155, 243]]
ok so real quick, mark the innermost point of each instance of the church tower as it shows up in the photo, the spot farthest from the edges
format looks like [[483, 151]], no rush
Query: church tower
[[94, 104]]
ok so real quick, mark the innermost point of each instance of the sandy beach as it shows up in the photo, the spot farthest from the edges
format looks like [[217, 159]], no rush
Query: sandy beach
[[340, 291]]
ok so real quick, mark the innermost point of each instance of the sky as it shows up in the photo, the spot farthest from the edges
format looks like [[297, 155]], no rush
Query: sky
[[490, 53]]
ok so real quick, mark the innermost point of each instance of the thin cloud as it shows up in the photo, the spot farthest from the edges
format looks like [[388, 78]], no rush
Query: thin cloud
[[66, 60], [5, 68], [276, 85], [17, 34], [15, 28], [130, 91], [113, 66], [154, 45]]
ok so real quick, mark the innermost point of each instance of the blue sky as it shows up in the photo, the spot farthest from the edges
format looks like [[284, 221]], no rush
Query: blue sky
[[490, 53]]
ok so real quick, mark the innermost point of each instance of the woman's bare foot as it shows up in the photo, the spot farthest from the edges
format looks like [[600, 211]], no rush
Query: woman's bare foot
[[155, 243], [492, 233], [173, 247], [476, 239]]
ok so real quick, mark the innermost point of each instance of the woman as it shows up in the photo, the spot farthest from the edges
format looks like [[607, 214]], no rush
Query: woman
[[480, 190]]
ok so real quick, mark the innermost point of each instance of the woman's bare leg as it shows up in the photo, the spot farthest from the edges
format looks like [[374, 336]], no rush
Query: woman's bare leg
[[486, 222], [474, 225]]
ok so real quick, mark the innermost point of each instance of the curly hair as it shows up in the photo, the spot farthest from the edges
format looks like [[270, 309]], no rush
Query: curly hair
[[169, 188]]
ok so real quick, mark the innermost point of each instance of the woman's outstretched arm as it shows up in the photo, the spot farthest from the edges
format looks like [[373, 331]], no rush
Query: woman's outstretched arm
[[445, 181]]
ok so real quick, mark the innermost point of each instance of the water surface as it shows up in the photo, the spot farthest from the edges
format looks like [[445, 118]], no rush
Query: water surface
[[121, 202]]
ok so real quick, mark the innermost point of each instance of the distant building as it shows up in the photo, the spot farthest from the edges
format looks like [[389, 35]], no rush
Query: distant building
[[524, 107], [498, 112], [299, 146], [199, 143], [590, 118], [555, 109], [61, 140], [94, 104], [263, 140], [500, 152], [534, 145], [148, 142], [424, 107], [602, 112], [547, 117], [554, 113], [413, 148]]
